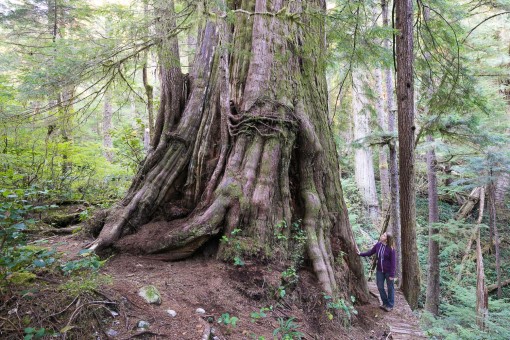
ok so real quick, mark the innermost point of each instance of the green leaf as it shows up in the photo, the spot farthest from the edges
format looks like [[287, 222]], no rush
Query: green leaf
[[29, 330], [20, 226], [39, 263]]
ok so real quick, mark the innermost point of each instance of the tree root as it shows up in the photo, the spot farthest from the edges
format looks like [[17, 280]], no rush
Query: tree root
[[177, 239]]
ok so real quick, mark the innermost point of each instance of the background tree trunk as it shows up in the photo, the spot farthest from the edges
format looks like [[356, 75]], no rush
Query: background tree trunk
[[502, 187], [363, 161], [433, 280], [491, 196], [248, 148], [406, 128], [107, 126], [383, 149]]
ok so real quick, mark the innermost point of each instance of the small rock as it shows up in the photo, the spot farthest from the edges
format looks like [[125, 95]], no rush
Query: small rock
[[112, 332], [114, 313], [171, 312], [200, 311], [150, 294], [143, 324]]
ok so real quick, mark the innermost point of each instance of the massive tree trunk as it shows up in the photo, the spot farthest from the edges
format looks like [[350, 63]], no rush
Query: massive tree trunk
[[363, 162], [250, 147], [433, 279], [406, 128]]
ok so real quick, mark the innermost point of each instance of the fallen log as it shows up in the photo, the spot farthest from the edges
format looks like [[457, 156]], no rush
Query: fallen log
[[62, 221], [491, 288], [469, 204]]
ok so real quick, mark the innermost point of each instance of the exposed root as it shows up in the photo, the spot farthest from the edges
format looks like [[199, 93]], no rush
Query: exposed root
[[178, 239]]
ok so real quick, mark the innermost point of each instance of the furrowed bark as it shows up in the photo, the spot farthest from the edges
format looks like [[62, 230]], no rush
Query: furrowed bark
[[406, 128]]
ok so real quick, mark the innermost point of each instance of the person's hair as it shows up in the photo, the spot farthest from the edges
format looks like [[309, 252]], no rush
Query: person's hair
[[390, 241]]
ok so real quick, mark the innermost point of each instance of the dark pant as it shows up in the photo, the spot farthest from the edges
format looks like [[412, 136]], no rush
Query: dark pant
[[387, 299]]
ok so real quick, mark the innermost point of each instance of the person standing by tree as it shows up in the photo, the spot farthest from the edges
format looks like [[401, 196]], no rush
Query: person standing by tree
[[386, 260]]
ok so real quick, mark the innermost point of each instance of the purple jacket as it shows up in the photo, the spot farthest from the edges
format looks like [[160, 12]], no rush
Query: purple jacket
[[385, 258]]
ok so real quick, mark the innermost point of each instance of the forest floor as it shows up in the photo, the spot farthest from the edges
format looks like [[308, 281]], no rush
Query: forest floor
[[218, 288]]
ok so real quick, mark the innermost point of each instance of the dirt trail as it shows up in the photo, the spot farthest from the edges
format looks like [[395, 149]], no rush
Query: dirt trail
[[218, 288]]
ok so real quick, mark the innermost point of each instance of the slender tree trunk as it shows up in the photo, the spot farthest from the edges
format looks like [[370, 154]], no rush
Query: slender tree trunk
[[107, 127], [149, 94], [406, 128], [393, 162], [482, 304], [433, 288], [363, 161], [148, 88], [491, 195], [250, 147]]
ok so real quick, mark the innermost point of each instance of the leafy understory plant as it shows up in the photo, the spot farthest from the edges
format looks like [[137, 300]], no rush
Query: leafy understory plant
[[262, 313], [234, 243], [19, 261], [227, 320], [340, 305], [35, 333], [287, 330], [88, 261]]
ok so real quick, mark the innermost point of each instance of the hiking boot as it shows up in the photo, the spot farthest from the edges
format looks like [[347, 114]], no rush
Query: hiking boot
[[388, 309]]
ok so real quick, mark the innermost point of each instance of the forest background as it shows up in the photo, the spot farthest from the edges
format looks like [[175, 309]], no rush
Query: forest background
[[80, 89]]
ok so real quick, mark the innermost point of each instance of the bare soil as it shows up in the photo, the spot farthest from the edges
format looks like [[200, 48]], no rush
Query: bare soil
[[198, 282]]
